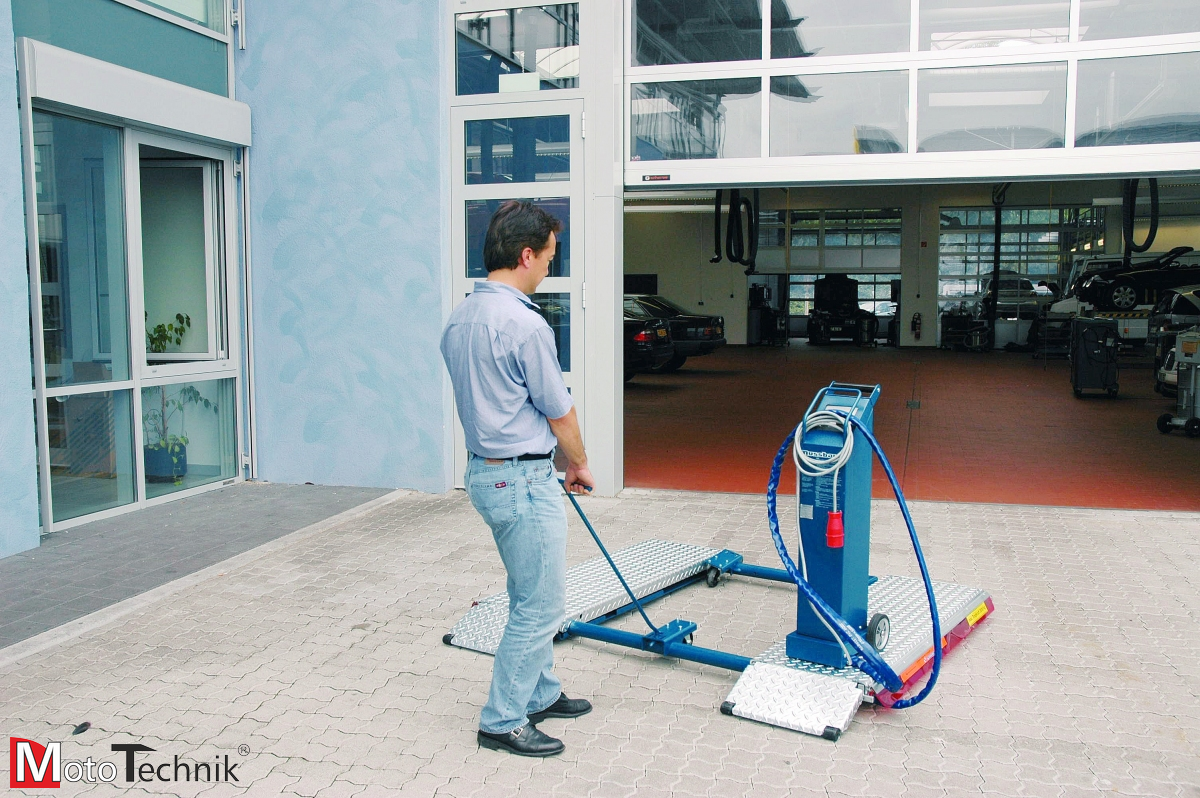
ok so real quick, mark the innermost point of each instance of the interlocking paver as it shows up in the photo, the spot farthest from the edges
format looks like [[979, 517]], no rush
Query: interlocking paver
[[1080, 684]]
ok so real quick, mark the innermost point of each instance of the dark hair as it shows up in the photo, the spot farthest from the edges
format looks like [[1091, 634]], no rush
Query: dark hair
[[516, 225]]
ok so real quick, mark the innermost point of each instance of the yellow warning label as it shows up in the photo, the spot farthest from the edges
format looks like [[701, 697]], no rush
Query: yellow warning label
[[1135, 314], [1189, 346], [976, 614]]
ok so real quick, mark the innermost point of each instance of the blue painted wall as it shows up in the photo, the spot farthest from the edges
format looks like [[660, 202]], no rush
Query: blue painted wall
[[346, 233], [18, 465]]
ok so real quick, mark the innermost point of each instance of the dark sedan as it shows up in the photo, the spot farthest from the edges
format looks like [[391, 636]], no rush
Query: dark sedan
[[1120, 288], [694, 334], [647, 345]]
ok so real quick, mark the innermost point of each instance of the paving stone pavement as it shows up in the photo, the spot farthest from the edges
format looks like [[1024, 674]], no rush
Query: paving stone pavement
[[321, 657]]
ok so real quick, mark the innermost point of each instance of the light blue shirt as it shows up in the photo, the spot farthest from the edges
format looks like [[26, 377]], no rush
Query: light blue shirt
[[503, 362]]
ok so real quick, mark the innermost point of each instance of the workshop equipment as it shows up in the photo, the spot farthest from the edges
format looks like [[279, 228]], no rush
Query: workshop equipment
[[857, 637], [1187, 396], [1095, 344]]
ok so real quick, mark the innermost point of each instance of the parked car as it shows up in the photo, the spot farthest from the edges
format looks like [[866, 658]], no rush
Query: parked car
[[1017, 293], [1166, 379], [1121, 288], [694, 334], [648, 344]]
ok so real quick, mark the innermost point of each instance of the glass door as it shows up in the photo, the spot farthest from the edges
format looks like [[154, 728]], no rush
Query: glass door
[[528, 151]]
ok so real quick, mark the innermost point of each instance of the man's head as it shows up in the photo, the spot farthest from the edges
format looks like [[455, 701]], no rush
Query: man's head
[[520, 244]]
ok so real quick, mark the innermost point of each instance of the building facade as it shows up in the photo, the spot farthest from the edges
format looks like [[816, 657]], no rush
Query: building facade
[[231, 230]]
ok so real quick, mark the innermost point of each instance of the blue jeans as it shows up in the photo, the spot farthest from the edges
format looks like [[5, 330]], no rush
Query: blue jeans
[[522, 502]]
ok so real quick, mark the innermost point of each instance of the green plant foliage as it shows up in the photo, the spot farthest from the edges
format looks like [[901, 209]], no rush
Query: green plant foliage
[[161, 335]]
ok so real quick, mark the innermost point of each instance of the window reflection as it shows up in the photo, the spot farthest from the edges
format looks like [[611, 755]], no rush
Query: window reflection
[[839, 114], [81, 245], [188, 434], [556, 310], [991, 108], [479, 216], [802, 28], [1116, 19], [696, 119], [518, 49], [696, 31], [519, 150], [91, 452], [1143, 100], [955, 25]]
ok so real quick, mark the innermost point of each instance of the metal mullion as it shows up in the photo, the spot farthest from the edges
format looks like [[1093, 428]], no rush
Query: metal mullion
[[34, 268], [88, 388], [913, 108], [1072, 99], [553, 189], [136, 302], [180, 379], [764, 123]]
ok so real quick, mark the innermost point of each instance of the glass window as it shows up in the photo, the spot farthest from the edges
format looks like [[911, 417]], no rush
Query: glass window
[[1116, 19], [991, 108], [91, 452], [180, 259], [696, 119], [188, 435], [801, 28], [81, 245], [518, 49], [839, 114], [128, 37], [874, 293], [209, 13], [1007, 24], [1144, 100], [1036, 245], [696, 31], [556, 310], [519, 150], [479, 216], [772, 229], [806, 229]]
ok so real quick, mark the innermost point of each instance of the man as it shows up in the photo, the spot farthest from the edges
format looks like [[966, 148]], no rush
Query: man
[[515, 409]]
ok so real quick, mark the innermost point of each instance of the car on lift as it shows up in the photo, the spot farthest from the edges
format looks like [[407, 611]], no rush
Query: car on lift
[[694, 334], [1123, 288], [1176, 311], [648, 344]]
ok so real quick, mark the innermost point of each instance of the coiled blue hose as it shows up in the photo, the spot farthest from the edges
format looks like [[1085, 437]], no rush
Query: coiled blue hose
[[866, 658]]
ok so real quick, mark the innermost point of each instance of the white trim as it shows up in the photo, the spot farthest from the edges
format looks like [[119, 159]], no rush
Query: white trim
[[182, 21], [34, 268], [1093, 163], [60, 76], [247, 286], [88, 388]]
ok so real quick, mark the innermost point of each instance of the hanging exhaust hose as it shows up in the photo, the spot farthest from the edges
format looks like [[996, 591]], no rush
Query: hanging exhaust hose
[[1129, 214], [737, 248], [865, 658]]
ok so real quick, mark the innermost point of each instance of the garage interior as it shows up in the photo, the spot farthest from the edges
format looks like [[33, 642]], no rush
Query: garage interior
[[990, 425]]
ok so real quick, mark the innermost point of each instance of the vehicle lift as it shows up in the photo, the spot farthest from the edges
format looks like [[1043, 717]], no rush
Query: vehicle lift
[[857, 637]]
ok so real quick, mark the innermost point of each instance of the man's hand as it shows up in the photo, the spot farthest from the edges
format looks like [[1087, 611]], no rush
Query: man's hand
[[579, 479]]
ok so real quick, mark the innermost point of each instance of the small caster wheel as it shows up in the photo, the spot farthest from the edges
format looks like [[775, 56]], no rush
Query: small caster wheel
[[1112, 391], [712, 577], [1192, 428], [1164, 423], [448, 639], [1078, 393], [879, 630], [687, 641]]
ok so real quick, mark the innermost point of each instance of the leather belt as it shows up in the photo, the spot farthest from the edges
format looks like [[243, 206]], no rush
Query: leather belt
[[526, 457]]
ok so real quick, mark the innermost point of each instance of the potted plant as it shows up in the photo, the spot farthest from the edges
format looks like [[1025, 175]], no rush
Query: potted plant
[[165, 453]]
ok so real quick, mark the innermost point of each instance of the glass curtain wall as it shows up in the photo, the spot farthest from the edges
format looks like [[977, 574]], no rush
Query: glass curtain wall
[[973, 77]]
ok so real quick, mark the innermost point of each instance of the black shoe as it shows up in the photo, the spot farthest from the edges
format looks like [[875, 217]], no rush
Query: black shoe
[[525, 741], [563, 708]]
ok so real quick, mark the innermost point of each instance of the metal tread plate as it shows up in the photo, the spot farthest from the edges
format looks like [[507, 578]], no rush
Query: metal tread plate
[[828, 697], [592, 589]]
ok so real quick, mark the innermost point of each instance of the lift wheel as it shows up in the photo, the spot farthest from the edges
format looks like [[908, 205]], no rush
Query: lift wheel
[[879, 631]]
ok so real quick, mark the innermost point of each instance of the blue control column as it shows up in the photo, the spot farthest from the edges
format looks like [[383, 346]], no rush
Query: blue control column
[[838, 573]]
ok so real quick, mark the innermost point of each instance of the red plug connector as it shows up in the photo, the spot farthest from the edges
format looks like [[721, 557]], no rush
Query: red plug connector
[[835, 533]]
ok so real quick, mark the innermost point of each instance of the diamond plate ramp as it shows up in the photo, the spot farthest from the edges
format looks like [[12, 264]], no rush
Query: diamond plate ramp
[[802, 700], [592, 589]]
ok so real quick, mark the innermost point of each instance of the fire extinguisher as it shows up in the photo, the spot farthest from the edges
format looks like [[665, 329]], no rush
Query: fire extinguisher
[[916, 326]]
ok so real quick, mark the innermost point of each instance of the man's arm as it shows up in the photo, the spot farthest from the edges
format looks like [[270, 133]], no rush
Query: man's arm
[[579, 478]]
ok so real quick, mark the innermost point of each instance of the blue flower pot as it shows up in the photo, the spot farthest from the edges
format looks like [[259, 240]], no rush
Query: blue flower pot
[[162, 466]]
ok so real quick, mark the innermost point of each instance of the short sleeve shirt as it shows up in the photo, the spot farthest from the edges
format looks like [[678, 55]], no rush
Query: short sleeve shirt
[[503, 363]]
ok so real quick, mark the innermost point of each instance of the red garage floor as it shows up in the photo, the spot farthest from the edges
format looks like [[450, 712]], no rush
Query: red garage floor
[[1000, 427]]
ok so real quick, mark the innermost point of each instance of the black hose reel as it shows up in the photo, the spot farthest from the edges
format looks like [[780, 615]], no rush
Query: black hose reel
[[1129, 214], [741, 240]]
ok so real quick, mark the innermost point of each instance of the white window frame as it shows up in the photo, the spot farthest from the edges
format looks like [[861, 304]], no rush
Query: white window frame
[[911, 166]]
